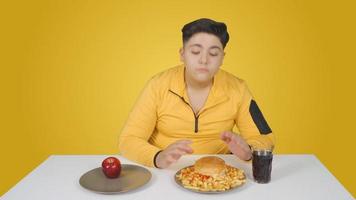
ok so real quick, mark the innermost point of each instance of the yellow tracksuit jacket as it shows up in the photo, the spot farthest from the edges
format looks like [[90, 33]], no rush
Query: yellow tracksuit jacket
[[162, 115]]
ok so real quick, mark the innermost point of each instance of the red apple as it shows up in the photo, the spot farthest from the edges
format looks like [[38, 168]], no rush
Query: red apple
[[111, 167]]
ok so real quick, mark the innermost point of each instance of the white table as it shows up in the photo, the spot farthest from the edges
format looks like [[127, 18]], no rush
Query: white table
[[293, 177]]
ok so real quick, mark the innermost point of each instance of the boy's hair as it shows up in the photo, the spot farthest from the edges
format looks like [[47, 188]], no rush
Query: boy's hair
[[205, 25]]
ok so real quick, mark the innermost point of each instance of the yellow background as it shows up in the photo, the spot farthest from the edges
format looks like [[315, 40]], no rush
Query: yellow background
[[71, 71]]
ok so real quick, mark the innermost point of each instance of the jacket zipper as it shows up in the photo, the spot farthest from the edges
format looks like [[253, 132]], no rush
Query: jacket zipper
[[196, 117]]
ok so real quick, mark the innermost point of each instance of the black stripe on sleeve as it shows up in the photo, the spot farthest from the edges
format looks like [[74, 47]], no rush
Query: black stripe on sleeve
[[154, 159], [258, 118]]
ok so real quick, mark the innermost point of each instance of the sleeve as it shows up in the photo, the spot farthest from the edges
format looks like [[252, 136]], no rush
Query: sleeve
[[252, 125], [133, 140]]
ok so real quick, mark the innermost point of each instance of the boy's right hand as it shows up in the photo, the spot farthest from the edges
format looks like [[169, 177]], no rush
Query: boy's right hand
[[173, 152]]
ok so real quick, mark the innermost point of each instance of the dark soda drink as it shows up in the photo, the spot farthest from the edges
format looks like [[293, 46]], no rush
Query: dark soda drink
[[262, 165]]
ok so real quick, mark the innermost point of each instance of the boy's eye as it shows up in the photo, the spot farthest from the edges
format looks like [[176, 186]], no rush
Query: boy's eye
[[195, 52], [213, 54]]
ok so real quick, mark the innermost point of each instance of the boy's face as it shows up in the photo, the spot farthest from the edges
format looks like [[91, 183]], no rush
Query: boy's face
[[202, 55]]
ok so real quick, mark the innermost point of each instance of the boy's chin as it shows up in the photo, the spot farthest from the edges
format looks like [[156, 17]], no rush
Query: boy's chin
[[203, 79]]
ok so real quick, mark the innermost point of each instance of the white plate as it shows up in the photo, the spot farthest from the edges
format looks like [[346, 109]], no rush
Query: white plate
[[199, 191]]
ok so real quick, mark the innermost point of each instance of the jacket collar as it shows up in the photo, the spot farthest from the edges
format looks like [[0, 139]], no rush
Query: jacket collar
[[218, 92]]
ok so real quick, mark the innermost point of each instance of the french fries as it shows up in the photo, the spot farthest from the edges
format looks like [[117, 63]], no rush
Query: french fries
[[192, 180]]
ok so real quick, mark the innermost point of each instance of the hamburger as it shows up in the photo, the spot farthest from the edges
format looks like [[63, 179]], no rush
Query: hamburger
[[210, 166]]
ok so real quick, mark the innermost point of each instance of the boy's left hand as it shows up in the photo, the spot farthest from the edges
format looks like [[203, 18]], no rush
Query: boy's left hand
[[237, 145]]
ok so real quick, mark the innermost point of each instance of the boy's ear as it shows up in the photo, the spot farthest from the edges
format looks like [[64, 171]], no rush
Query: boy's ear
[[181, 51]]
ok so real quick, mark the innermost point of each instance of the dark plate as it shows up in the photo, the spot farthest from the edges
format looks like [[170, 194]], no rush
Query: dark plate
[[131, 177]]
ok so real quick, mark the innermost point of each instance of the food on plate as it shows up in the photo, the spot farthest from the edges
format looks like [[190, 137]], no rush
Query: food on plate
[[210, 173], [210, 166], [111, 167]]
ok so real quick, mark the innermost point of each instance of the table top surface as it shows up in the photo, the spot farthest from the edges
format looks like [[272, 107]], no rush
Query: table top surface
[[293, 177]]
